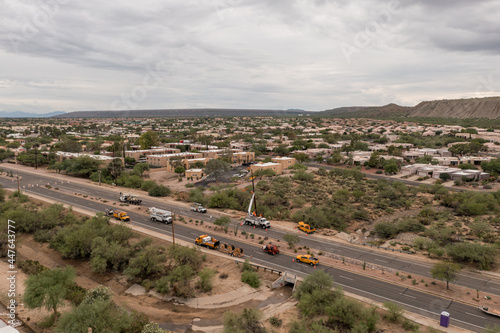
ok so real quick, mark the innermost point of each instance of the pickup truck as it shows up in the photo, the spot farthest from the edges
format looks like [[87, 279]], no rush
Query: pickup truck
[[308, 259], [196, 207], [305, 228]]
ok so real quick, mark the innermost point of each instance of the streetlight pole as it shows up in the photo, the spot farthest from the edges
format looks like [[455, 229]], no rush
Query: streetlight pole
[[36, 159]]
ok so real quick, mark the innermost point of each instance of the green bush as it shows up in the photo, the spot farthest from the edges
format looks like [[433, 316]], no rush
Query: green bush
[[394, 311], [275, 321], [482, 255], [251, 278], [205, 282], [302, 175], [162, 285], [147, 185], [159, 191]]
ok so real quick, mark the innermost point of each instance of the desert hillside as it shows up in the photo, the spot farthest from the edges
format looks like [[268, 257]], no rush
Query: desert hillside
[[459, 108], [488, 107]]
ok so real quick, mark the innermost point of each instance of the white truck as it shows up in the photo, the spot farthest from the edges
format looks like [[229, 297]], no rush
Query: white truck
[[257, 221], [130, 199], [160, 215], [197, 207]]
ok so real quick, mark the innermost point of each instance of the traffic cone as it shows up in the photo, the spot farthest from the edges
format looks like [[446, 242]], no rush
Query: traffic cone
[[314, 266], [254, 227], [293, 259], [266, 229]]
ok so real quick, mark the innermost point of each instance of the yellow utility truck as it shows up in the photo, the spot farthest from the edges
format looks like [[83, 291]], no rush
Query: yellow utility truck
[[207, 241]]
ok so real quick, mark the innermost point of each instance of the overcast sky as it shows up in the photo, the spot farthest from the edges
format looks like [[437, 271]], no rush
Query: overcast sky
[[73, 55]]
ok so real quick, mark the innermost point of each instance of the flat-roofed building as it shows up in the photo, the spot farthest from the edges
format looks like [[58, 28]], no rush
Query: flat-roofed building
[[165, 160], [105, 160], [194, 174], [137, 154], [276, 167], [285, 162]]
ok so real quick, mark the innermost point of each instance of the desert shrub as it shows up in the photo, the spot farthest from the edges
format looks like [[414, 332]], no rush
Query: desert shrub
[[159, 191], [147, 185], [205, 282], [251, 278], [196, 195], [394, 311], [275, 321], [482, 255], [76, 294], [162, 285], [30, 267], [247, 321], [302, 175]]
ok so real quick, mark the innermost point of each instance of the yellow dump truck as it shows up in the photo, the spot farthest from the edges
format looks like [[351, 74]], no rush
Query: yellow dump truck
[[306, 228], [207, 241]]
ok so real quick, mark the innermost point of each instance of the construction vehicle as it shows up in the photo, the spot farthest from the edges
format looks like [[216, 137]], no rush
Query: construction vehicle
[[118, 214], [207, 241], [130, 199], [253, 219], [271, 249], [231, 250], [160, 215], [308, 259], [305, 228], [197, 207]]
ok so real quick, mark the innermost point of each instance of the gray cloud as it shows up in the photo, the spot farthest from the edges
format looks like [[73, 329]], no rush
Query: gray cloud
[[240, 53]]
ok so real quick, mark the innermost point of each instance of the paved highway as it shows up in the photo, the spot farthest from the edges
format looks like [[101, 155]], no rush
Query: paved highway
[[472, 280], [464, 315]]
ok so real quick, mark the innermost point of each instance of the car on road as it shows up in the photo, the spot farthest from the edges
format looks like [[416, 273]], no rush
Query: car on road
[[308, 259]]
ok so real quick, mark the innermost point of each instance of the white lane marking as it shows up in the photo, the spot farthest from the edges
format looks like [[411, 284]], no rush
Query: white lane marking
[[380, 260], [408, 296], [345, 277], [471, 314]]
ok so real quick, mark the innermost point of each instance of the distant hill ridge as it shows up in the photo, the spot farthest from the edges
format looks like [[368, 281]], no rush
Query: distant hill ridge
[[20, 114], [180, 113], [487, 107]]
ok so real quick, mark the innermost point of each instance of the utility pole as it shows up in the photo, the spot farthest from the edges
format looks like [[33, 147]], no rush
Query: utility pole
[[173, 234], [18, 187], [36, 160]]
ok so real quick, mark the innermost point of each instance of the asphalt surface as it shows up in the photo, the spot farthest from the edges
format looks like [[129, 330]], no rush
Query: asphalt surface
[[429, 305]]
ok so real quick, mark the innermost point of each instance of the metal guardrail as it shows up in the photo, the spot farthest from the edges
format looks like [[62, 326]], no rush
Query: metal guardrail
[[388, 248], [263, 267]]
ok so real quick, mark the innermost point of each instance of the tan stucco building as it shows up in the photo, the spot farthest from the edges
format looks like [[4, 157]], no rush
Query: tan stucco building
[[285, 162], [276, 167]]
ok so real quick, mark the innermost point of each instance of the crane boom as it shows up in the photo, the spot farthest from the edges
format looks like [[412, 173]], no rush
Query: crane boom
[[250, 206]]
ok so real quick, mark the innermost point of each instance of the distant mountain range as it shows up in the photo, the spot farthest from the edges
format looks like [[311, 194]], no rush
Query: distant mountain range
[[180, 113], [20, 114], [488, 107]]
